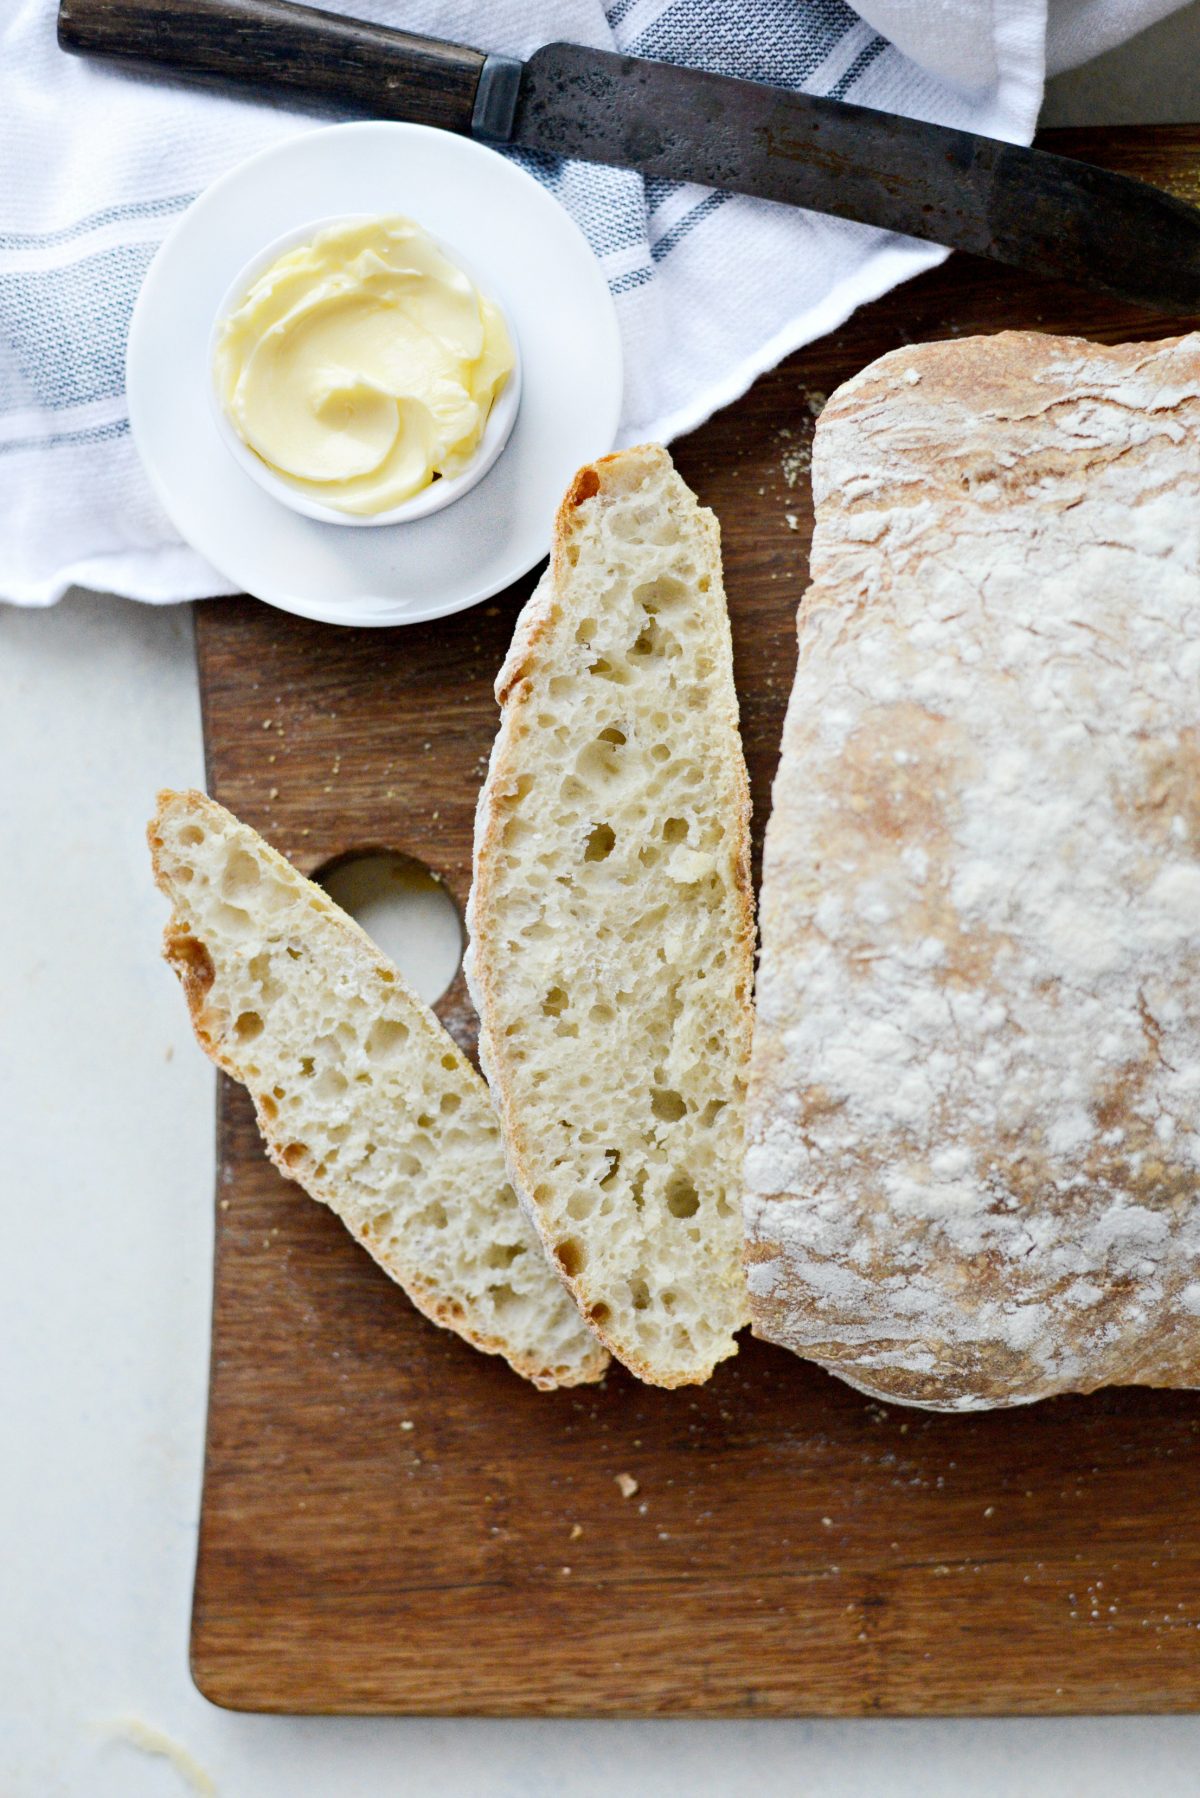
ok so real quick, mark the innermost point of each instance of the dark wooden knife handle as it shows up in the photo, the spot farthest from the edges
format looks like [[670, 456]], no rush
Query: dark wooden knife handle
[[271, 44]]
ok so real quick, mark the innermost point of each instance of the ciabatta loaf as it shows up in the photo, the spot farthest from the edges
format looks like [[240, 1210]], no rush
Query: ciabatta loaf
[[362, 1097], [974, 1117], [611, 919]]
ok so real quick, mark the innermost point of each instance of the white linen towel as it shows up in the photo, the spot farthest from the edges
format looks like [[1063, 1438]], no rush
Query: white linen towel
[[710, 288]]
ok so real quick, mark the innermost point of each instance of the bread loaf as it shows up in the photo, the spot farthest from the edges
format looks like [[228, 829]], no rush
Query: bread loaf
[[362, 1097], [611, 919], [973, 1163]]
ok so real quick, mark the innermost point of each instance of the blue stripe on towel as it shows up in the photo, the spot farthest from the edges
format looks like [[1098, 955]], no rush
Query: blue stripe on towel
[[93, 221], [92, 434], [63, 330]]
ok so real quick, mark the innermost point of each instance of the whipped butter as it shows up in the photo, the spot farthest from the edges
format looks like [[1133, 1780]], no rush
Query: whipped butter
[[362, 365]]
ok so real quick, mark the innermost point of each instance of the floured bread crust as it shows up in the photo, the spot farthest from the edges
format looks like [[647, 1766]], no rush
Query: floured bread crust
[[973, 1166]]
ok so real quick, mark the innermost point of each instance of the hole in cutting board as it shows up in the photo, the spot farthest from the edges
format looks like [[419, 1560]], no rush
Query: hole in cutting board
[[406, 910]]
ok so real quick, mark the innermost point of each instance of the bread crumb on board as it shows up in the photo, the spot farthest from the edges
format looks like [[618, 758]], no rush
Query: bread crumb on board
[[149, 1740], [627, 1484]]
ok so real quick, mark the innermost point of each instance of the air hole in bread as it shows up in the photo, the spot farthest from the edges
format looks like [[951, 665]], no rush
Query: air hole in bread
[[639, 1294], [293, 1154], [616, 672], [600, 843], [675, 830], [241, 874], [600, 1312], [503, 1254], [385, 1038], [555, 1002], [249, 1025], [331, 1083], [682, 1198], [712, 1112], [586, 630], [571, 1256], [191, 836], [667, 1105], [449, 1104], [613, 1158], [659, 594], [233, 921]]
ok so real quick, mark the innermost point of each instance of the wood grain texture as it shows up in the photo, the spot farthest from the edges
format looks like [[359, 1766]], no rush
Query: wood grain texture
[[267, 45], [792, 1546]]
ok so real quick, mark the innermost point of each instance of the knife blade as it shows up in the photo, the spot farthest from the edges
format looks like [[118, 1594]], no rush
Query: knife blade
[[1037, 211]]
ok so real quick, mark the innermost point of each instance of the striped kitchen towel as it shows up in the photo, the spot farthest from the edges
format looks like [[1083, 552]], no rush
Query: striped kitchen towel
[[710, 288]]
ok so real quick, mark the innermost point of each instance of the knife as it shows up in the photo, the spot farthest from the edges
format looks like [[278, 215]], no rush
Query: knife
[[1029, 208]]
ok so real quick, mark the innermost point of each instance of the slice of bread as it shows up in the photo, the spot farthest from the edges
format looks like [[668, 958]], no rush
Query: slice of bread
[[612, 923], [361, 1096]]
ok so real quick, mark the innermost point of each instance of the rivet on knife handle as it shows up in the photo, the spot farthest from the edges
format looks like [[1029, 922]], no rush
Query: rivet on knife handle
[[270, 44]]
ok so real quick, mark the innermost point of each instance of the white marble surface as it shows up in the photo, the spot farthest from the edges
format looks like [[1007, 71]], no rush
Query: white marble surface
[[105, 1266]]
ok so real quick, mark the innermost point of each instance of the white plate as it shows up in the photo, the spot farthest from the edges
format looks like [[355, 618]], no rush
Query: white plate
[[544, 276]]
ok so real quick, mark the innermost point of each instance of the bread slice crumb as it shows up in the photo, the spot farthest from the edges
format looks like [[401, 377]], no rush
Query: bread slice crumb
[[611, 920], [362, 1098]]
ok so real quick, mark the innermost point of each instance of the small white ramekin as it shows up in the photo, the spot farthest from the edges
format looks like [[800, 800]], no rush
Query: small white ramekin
[[441, 491]]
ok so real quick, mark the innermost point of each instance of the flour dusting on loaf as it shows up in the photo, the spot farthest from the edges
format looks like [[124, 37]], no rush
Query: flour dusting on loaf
[[973, 1166]]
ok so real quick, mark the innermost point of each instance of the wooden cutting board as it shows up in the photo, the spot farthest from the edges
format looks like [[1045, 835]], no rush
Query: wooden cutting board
[[394, 1523]]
